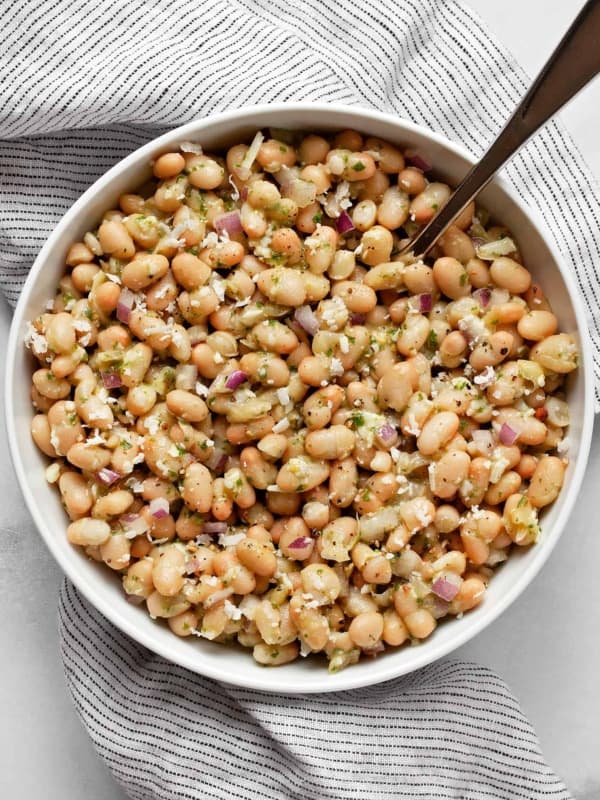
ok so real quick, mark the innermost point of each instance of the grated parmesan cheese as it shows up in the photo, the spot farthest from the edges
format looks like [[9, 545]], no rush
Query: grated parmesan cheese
[[231, 611], [412, 427], [485, 378], [210, 240], [281, 426], [305, 650], [283, 396], [34, 340], [475, 329], [218, 287], [153, 424], [96, 438], [337, 368], [230, 539]]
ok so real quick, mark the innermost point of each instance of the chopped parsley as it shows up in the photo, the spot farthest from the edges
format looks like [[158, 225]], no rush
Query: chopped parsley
[[357, 420], [432, 340]]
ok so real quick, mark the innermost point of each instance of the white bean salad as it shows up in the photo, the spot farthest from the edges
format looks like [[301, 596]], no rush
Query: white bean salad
[[277, 430]]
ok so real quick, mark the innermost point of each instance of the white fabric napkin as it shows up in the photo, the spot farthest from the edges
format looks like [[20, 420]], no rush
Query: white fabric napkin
[[82, 83]]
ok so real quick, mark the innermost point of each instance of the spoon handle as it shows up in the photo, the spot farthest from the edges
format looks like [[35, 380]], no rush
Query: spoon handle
[[574, 62]]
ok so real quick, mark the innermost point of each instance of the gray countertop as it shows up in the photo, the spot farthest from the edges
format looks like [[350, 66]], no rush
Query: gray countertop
[[546, 646]]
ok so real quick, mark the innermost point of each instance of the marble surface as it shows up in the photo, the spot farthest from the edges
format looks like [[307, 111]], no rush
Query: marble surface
[[546, 646]]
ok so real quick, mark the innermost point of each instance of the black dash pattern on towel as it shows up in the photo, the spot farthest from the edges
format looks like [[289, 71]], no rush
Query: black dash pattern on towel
[[451, 731], [84, 82]]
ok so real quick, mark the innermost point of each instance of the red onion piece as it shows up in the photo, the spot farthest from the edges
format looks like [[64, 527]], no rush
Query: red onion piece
[[111, 380], [425, 302], [214, 527], [159, 507], [134, 527], [358, 319], [300, 543], [134, 599], [236, 379], [446, 588], [217, 460], [478, 241], [307, 319], [499, 296], [483, 297], [229, 223], [387, 432], [508, 436], [107, 476], [414, 159], [125, 304], [344, 223], [192, 565]]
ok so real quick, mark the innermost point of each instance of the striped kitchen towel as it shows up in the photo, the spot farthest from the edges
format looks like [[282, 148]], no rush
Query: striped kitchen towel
[[451, 731], [82, 83]]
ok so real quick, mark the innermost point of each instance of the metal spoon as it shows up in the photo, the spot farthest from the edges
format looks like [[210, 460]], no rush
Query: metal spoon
[[574, 62]]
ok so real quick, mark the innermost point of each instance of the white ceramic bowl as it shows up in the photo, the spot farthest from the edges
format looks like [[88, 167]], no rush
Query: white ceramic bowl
[[102, 588]]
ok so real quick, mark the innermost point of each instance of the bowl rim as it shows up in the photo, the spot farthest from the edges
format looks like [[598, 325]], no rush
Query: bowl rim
[[386, 669]]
